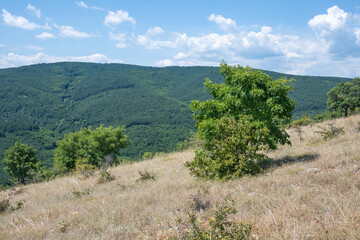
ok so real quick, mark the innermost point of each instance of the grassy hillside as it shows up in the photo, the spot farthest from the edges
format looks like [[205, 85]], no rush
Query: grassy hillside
[[39, 103], [310, 192]]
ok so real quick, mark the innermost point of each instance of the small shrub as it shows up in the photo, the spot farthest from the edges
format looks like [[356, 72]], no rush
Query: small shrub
[[41, 173], [84, 168], [79, 194], [305, 120], [3, 187], [200, 203], [145, 176], [298, 130], [118, 161], [331, 131], [147, 155], [105, 177], [4, 205], [358, 127], [17, 206], [216, 227]]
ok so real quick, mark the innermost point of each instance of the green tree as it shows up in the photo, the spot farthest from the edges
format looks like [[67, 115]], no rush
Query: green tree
[[98, 146], [345, 97], [20, 162], [244, 117]]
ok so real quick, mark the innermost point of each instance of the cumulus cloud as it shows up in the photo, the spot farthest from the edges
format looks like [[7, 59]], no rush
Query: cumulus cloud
[[118, 17], [334, 19], [69, 31], [84, 5], [120, 38], [45, 35], [155, 31], [18, 21], [336, 42], [261, 44], [338, 30], [33, 9], [14, 60], [226, 24], [165, 63]]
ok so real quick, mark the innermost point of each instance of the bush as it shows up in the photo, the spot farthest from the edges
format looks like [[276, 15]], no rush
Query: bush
[[105, 177], [244, 117], [145, 176], [327, 116], [357, 128], [232, 151], [41, 173], [95, 145], [303, 121], [331, 131], [148, 155], [20, 162], [84, 169], [216, 227], [6, 206]]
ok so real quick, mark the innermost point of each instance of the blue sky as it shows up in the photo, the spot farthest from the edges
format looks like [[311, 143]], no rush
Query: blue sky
[[315, 37]]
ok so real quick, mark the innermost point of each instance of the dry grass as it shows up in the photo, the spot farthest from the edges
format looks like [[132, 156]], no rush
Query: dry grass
[[312, 192]]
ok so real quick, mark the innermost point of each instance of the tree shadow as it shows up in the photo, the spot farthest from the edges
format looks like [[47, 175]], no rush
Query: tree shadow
[[274, 163]]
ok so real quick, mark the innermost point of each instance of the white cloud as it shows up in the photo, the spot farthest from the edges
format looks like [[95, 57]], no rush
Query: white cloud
[[15, 60], [260, 44], [333, 20], [2, 45], [84, 5], [165, 63], [121, 45], [33, 9], [116, 18], [120, 38], [34, 47], [18, 21], [338, 30], [81, 4], [155, 31], [69, 31], [225, 24], [336, 43], [117, 37], [45, 35]]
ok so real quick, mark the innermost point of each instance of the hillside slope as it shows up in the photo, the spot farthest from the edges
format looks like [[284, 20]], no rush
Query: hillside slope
[[39, 103], [311, 192]]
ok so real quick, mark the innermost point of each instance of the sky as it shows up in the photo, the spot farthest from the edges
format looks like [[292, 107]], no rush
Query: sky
[[305, 37]]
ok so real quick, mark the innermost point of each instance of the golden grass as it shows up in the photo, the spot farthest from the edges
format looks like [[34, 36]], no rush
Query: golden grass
[[313, 192]]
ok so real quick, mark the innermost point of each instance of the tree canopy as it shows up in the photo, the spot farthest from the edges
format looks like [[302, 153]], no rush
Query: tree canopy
[[345, 97], [90, 144], [19, 161], [244, 117]]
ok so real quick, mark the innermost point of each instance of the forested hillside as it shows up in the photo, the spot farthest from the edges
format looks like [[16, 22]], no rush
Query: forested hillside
[[40, 103]]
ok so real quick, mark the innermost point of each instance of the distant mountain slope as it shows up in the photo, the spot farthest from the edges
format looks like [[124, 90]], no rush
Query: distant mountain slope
[[39, 103]]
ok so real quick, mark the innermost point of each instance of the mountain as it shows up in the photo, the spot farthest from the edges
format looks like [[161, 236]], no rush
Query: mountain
[[40, 103]]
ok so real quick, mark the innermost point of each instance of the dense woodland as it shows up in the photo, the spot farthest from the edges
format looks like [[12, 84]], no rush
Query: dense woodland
[[40, 103]]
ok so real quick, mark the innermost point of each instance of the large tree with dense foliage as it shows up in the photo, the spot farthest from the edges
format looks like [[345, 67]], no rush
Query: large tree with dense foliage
[[20, 162], [345, 97], [243, 118], [91, 144]]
